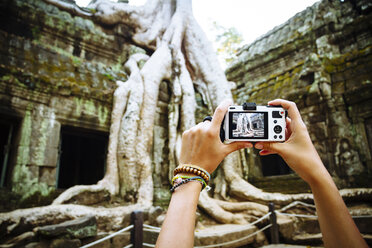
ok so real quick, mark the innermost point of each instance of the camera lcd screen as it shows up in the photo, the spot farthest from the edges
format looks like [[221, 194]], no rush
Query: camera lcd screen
[[248, 125]]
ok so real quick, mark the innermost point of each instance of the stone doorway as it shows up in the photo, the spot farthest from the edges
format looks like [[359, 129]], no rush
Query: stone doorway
[[82, 157], [8, 128], [274, 165]]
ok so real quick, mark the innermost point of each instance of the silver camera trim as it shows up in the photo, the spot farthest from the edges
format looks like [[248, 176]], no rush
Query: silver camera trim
[[271, 134]]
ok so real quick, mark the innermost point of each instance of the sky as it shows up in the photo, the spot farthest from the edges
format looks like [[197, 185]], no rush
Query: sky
[[252, 18]]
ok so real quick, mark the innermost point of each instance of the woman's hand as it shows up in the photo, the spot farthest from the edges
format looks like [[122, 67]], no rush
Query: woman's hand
[[298, 150], [201, 145], [337, 226]]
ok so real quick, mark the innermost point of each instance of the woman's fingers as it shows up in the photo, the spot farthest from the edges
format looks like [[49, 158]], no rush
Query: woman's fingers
[[291, 107], [272, 147], [237, 145], [288, 130], [266, 152], [219, 114]]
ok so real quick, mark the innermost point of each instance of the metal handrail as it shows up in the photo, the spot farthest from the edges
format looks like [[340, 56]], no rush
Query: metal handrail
[[108, 237]]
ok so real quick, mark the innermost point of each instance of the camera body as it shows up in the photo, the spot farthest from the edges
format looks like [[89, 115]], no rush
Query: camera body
[[254, 123]]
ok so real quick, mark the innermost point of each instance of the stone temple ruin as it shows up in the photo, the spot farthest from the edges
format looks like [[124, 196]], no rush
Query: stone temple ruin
[[57, 84], [320, 59], [58, 73]]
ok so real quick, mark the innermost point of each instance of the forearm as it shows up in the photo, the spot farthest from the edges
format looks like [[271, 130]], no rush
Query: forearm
[[178, 227], [337, 226]]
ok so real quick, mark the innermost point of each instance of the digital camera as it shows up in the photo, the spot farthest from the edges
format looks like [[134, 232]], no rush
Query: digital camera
[[254, 123]]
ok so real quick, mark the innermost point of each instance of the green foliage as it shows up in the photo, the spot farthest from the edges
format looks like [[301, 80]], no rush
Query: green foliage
[[93, 11], [35, 32], [76, 61], [228, 41], [109, 76]]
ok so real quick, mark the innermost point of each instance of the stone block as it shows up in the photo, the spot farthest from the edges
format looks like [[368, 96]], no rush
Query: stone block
[[79, 228], [54, 133], [44, 156], [121, 240], [150, 237], [44, 138], [313, 98], [338, 87], [33, 171], [47, 175], [22, 239], [348, 74], [318, 130], [50, 156], [103, 244], [357, 82], [41, 244], [337, 77], [223, 233], [65, 243], [286, 227], [316, 114], [23, 153], [154, 212], [364, 93], [364, 224]]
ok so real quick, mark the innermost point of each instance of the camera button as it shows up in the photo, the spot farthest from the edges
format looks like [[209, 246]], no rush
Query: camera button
[[277, 129]]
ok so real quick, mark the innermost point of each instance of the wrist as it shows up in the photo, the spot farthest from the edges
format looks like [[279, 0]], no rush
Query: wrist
[[319, 176], [193, 170], [188, 189]]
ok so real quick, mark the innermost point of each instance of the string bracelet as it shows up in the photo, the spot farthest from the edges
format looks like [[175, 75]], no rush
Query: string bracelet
[[193, 169], [177, 179], [185, 181]]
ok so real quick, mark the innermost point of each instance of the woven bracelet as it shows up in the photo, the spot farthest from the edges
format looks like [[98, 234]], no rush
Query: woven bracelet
[[176, 179], [185, 181]]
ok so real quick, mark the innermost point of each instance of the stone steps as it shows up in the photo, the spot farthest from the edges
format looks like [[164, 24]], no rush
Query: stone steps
[[307, 232], [82, 231], [308, 238], [227, 234]]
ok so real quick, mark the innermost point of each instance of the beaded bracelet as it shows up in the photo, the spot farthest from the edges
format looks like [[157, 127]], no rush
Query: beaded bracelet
[[188, 168], [185, 181], [178, 179]]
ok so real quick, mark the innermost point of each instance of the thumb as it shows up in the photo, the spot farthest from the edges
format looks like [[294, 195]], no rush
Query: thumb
[[269, 146], [236, 146]]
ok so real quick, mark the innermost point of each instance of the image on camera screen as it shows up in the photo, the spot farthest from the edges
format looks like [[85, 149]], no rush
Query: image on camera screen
[[248, 125]]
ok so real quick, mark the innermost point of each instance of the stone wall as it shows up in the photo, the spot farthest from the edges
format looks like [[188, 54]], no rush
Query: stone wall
[[321, 59], [55, 70]]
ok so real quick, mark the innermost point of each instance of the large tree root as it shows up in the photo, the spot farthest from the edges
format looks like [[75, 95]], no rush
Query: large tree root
[[22, 220]]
